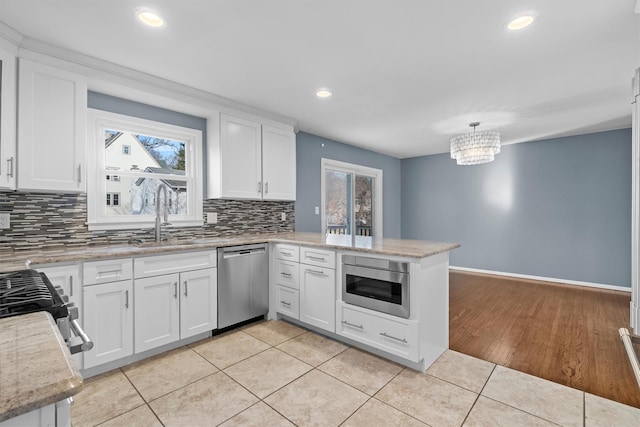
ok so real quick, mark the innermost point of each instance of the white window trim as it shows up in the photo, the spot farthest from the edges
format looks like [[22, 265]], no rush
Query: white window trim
[[360, 170], [98, 121]]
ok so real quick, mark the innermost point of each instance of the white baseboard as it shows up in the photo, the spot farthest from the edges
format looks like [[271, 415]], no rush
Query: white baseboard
[[543, 279]]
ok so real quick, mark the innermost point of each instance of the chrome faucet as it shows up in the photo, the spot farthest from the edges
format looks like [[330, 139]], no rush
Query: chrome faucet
[[159, 224]]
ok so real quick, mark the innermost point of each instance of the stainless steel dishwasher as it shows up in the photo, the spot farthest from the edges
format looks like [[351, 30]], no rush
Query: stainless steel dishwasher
[[243, 283]]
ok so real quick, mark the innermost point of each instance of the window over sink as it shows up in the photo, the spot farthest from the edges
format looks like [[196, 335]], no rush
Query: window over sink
[[129, 158]]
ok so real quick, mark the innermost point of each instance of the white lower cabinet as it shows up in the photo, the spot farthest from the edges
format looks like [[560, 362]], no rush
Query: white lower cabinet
[[108, 320], [304, 290], [318, 296], [68, 277], [174, 306], [198, 302], [388, 333], [287, 301], [157, 311]]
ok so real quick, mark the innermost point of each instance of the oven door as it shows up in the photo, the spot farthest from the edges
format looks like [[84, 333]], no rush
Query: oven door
[[380, 290]]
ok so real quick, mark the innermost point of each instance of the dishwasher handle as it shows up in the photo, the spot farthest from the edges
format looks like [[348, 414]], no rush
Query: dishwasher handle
[[243, 252]]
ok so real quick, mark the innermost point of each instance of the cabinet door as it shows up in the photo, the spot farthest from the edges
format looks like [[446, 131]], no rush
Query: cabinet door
[[108, 320], [278, 163], [198, 302], [52, 111], [240, 145], [317, 296], [157, 311], [8, 84], [68, 278]]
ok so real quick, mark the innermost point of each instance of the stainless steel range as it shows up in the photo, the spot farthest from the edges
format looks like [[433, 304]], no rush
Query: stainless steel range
[[27, 291]]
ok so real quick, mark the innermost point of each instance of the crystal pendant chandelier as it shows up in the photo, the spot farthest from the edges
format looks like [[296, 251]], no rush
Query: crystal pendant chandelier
[[475, 148]]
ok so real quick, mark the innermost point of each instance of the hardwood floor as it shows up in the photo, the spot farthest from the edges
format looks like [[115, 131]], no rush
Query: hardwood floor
[[565, 334]]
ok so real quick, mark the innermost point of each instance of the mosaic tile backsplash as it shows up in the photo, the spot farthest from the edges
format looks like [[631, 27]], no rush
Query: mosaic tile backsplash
[[55, 221]]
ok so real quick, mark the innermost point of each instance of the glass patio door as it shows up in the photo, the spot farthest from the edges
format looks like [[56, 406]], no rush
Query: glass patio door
[[349, 203]]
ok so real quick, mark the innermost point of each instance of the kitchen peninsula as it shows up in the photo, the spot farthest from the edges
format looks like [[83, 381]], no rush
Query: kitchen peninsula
[[313, 287]]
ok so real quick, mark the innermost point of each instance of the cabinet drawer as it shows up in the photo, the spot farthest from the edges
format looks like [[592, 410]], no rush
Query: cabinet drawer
[[174, 263], [287, 301], [287, 273], [287, 252], [111, 270], [319, 257], [387, 333]]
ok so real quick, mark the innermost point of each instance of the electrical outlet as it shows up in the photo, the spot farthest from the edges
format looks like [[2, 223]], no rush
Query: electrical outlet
[[317, 210], [212, 217], [4, 220], [283, 216]]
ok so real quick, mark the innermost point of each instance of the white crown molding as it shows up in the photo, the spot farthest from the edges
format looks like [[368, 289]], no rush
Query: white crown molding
[[9, 34], [116, 80]]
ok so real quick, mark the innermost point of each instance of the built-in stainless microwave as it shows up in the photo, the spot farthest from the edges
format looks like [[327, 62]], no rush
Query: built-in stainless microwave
[[376, 284]]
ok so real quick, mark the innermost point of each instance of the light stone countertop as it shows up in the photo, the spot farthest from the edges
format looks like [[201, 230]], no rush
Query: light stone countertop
[[414, 249], [36, 368]]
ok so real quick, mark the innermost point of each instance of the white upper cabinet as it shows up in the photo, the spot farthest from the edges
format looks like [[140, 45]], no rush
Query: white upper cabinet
[[241, 152], [278, 163], [52, 107], [8, 84], [251, 160]]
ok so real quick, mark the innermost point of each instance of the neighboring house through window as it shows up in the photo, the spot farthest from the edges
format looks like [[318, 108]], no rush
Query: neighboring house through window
[[146, 155]]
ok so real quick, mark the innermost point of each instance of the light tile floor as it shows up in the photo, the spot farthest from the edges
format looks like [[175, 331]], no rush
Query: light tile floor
[[277, 374]]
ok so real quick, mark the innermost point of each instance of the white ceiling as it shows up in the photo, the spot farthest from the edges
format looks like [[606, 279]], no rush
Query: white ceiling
[[407, 75]]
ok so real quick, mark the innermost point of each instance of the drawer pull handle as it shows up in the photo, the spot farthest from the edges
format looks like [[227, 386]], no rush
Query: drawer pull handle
[[109, 273], [126, 299], [316, 258], [344, 322], [288, 304], [185, 289], [175, 290], [308, 270], [70, 286], [402, 340], [286, 254], [285, 274]]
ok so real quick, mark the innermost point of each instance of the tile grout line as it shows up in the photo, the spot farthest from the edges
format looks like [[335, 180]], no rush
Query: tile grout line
[[478, 395]]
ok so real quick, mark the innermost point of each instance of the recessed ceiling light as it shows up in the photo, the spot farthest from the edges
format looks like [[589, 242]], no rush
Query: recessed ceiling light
[[149, 17], [521, 21], [323, 93]]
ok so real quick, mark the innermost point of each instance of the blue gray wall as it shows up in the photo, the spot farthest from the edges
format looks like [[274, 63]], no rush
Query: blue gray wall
[[558, 208], [311, 149]]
